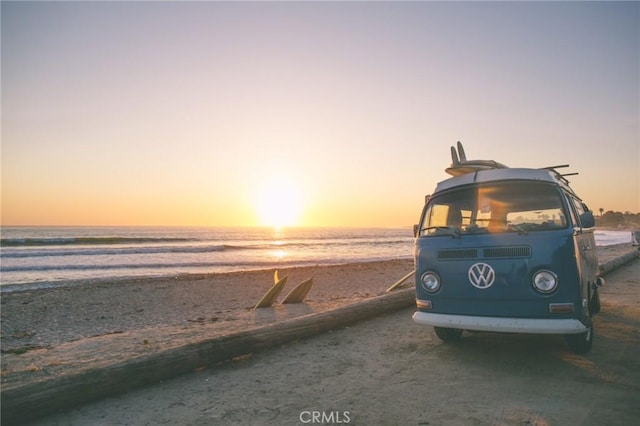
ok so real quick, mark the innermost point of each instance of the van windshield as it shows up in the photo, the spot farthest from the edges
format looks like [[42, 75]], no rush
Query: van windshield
[[495, 208]]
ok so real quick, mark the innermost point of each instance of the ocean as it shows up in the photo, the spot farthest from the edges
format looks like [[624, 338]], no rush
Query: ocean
[[49, 256], [39, 256]]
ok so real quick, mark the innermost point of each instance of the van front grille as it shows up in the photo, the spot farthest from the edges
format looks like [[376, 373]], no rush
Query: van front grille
[[458, 254], [491, 252], [521, 251]]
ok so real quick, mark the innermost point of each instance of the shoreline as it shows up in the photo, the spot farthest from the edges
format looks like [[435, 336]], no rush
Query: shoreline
[[52, 284], [51, 257], [45, 317]]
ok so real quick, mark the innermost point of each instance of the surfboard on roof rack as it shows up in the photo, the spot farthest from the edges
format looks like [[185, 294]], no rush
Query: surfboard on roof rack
[[461, 166]]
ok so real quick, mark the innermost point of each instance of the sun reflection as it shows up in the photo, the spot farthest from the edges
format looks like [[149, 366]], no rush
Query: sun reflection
[[279, 254]]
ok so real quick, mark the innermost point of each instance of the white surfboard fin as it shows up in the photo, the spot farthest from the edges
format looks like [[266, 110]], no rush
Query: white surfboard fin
[[461, 154], [270, 296], [298, 294], [454, 157]]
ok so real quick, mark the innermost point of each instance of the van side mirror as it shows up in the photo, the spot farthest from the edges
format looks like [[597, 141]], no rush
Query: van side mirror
[[415, 230], [587, 220]]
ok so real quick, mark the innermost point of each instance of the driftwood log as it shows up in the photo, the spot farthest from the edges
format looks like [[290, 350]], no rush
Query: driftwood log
[[23, 403], [606, 267]]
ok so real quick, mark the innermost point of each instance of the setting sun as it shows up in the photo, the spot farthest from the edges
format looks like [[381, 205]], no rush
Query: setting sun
[[279, 203]]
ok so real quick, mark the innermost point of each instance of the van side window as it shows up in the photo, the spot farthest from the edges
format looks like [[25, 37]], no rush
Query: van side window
[[572, 210], [579, 209]]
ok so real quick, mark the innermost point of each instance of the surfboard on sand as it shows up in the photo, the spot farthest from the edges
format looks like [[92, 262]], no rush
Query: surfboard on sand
[[298, 294], [270, 296], [400, 281]]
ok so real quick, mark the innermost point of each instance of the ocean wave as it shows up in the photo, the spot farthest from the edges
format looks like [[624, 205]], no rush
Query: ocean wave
[[65, 241], [607, 238], [113, 240], [178, 265], [91, 267], [112, 251], [26, 252]]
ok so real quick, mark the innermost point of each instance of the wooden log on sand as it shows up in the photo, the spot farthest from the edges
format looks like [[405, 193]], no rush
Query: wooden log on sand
[[606, 267], [23, 403]]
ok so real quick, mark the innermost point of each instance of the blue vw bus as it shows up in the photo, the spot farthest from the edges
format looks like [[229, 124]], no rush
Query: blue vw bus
[[506, 250]]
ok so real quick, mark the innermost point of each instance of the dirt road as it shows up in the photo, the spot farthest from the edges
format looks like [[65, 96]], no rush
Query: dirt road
[[390, 371]]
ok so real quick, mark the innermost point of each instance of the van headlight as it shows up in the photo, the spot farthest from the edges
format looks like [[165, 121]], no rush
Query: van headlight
[[545, 281], [430, 281]]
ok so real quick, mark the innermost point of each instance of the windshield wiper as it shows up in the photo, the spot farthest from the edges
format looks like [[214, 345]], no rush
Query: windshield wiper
[[518, 228], [450, 230]]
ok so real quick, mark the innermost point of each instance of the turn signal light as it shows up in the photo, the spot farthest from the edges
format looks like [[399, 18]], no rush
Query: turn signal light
[[423, 304], [561, 308]]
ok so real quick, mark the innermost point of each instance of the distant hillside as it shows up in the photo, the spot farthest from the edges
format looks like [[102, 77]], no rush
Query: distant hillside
[[611, 219]]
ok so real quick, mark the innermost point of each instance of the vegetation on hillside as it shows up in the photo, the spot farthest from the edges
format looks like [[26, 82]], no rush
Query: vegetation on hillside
[[611, 219]]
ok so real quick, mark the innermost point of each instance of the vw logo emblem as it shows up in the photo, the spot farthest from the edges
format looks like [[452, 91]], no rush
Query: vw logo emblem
[[481, 275]]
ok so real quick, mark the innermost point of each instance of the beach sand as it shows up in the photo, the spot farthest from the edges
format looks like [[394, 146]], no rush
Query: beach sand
[[51, 332], [389, 371], [46, 332]]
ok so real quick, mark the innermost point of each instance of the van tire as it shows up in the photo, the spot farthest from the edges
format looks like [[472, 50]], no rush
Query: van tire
[[448, 334], [581, 343]]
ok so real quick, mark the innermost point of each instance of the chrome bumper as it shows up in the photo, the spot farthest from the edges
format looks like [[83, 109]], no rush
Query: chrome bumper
[[502, 325]]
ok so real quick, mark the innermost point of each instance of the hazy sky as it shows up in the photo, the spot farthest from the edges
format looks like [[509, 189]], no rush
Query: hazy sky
[[174, 113]]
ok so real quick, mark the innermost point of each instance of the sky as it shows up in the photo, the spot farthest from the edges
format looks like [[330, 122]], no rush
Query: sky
[[306, 113]]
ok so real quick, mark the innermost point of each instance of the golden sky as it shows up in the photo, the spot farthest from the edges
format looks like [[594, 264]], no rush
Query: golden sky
[[319, 114]]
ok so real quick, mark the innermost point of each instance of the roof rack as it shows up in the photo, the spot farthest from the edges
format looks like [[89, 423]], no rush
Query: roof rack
[[561, 176]]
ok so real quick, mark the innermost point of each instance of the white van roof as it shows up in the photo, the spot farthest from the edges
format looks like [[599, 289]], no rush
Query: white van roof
[[502, 174], [469, 172]]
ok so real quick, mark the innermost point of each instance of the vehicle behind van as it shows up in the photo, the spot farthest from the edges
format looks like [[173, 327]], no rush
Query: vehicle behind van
[[506, 250]]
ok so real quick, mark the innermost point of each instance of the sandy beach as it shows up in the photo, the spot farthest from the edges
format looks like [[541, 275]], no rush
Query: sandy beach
[[48, 332], [387, 370], [56, 332]]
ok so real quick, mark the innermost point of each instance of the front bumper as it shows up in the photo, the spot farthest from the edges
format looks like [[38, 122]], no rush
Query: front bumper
[[502, 325]]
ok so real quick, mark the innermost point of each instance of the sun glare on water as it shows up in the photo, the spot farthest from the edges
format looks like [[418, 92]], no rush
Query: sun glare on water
[[279, 203]]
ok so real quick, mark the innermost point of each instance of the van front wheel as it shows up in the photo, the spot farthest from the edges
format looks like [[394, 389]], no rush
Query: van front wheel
[[448, 334], [580, 343]]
